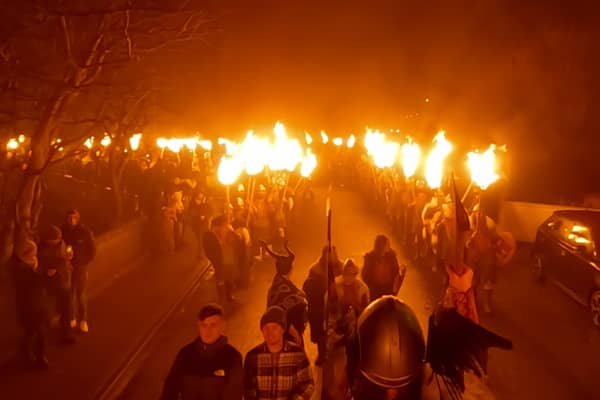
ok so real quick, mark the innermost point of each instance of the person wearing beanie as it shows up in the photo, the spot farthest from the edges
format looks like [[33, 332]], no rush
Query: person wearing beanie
[[209, 368], [55, 265], [81, 241], [277, 369], [31, 303]]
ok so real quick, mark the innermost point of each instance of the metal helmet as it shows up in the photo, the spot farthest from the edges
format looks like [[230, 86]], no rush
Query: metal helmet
[[391, 344]]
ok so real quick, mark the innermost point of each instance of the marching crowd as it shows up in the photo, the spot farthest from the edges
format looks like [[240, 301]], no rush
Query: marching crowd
[[333, 296]]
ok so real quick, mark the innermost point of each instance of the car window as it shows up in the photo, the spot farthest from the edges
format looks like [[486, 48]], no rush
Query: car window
[[578, 235], [554, 225]]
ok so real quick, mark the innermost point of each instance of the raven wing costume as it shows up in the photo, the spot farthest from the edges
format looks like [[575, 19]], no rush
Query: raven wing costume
[[388, 357]]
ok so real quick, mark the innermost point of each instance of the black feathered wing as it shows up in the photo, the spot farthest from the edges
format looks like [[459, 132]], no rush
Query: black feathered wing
[[455, 344]]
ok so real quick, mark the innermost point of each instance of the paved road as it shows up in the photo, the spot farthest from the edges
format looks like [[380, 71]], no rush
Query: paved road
[[556, 351]]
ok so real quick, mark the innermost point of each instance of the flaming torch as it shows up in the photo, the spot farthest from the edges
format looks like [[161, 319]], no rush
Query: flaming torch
[[134, 141], [483, 168], [253, 151], [351, 141], [434, 168], [308, 165], [229, 171], [411, 154]]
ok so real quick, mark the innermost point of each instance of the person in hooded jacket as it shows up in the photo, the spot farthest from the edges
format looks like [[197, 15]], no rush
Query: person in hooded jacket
[[315, 288], [55, 264], [31, 303], [381, 271], [83, 245], [209, 368]]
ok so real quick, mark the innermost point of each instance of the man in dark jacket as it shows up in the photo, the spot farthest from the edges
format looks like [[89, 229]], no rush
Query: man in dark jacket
[[225, 250], [381, 271], [208, 368], [82, 244], [30, 300], [315, 288]]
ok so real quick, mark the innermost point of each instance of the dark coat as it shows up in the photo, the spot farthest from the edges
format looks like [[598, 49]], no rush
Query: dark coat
[[81, 239], [30, 295], [214, 252], [315, 287], [378, 289], [202, 372], [53, 256]]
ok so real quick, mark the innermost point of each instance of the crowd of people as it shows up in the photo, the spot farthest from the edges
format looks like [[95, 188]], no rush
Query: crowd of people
[[233, 235], [334, 294], [50, 275]]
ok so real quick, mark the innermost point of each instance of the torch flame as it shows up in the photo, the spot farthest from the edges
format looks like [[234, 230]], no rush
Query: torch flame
[[231, 148], [229, 170], [286, 153], [308, 138], [253, 152], [411, 153], [483, 167], [434, 168], [21, 138], [205, 144], [12, 144], [106, 141], [383, 152], [309, 163], [89, 142], [134, 141], [324, 137], [351, 141], [338, 141]]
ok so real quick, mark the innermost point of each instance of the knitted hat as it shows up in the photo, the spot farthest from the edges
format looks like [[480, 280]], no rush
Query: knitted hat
[[276, 315]]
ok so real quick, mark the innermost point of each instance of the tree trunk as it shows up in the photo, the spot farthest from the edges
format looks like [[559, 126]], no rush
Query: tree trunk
[[117, 162], [118, 200]]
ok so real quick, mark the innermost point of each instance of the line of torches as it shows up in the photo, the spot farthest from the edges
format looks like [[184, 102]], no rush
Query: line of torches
[[279, 153]]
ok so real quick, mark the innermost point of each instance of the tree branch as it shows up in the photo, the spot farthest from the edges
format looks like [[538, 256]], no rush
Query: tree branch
[[126, 33], [67, 36]]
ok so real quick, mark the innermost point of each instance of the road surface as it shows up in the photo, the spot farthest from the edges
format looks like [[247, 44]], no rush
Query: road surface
[[556, 353], [556, 349]]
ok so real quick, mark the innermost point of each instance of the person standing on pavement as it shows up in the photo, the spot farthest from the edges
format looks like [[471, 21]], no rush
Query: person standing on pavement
[[225, 250], [381, 271], [83, 245], [209, 368], [277, 369], [55, 265], [31, 303], [315, 288], [199, 214]]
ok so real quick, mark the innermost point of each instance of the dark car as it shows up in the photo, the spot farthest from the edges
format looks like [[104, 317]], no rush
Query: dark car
[[567, 251]]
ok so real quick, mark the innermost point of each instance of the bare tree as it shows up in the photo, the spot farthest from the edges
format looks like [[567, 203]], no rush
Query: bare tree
[[58, 61]]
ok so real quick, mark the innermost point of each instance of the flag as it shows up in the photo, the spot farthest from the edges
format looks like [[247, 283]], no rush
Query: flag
[[461, 225]]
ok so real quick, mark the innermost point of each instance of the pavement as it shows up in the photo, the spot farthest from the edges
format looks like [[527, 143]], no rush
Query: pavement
[[555, 356]]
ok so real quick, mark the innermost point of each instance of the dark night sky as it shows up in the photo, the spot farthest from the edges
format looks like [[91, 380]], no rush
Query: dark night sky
[[504, 71]]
